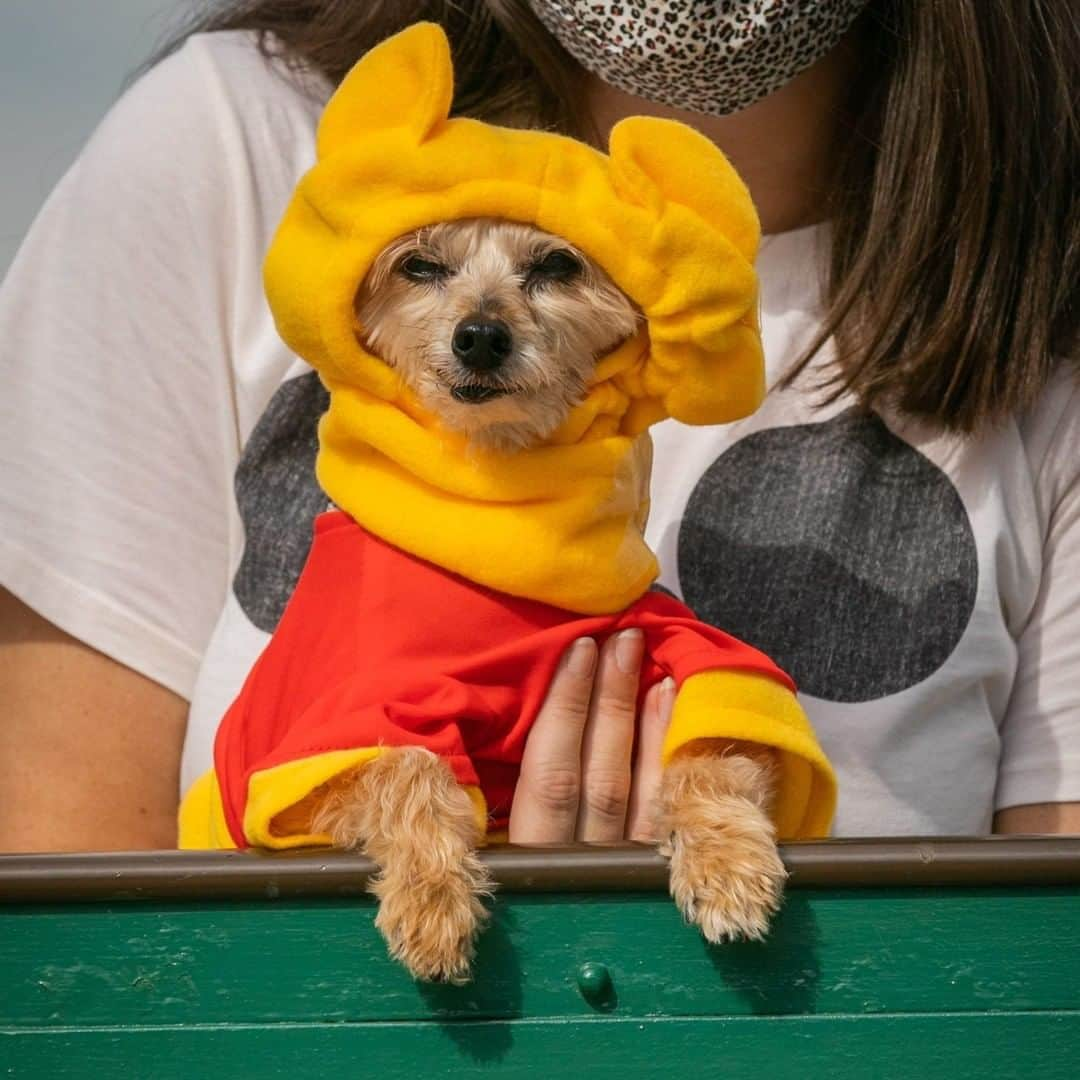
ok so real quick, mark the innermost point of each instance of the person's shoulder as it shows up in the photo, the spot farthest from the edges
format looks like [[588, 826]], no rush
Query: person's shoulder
[[1051, 433], [219, 121], [249, 71], [218, 83], [1057, 411]]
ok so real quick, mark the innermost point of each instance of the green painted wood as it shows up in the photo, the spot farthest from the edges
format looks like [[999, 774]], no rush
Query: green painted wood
[[866, 952], [1024, 1046]]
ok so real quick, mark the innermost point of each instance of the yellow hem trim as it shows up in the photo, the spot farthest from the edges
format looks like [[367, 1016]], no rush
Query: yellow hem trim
[[202, 823], [273, 792]]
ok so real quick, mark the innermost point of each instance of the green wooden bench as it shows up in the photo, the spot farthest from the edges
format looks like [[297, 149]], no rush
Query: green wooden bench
[[906, 959]]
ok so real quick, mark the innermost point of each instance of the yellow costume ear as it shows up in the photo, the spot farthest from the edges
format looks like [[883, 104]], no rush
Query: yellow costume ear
[[405, 82], [656, 160]]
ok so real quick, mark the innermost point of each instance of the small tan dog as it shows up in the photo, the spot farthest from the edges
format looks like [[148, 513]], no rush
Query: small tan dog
[[485, 448], [496, 328]]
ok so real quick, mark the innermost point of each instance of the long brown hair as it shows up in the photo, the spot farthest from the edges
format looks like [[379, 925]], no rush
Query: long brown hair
[[956, 229], [507, 68], [956, 221]]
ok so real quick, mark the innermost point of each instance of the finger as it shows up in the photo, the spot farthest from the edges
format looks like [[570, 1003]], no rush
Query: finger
[[609, 740], [545, 806], [645, 787]]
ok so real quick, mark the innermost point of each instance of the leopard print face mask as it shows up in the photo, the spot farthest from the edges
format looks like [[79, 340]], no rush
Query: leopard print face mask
[[709, 56]]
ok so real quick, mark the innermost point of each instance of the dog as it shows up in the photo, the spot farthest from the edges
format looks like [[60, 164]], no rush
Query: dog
[[499, 315], [496, 328]]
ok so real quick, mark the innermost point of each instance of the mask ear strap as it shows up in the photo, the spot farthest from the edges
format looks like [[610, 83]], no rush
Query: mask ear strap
[[407, 83]]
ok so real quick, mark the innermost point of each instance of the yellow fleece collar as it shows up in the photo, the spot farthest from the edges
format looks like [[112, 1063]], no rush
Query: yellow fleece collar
[[561, 523]]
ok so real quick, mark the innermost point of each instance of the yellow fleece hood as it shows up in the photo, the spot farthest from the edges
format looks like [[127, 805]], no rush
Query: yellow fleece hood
[[665, 215]]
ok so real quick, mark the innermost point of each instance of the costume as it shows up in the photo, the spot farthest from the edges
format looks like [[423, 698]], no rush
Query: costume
[[550, 530], [379, 648]]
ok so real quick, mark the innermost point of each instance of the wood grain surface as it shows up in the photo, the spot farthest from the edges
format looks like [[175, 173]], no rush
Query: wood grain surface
[[924, 983]]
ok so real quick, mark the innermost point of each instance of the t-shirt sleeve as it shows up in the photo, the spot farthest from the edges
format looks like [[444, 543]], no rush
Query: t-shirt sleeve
[[1040, 735], [117, 428]]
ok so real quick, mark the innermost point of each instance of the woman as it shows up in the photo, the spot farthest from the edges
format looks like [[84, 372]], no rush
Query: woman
[[898, 525]]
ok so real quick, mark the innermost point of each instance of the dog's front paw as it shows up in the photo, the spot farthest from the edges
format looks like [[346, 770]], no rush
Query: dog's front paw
[[728, 879], [431, 925], [726, 874]]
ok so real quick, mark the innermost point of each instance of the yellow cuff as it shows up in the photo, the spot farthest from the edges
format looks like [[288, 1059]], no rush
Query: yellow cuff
[[757, 709], [272, 792]]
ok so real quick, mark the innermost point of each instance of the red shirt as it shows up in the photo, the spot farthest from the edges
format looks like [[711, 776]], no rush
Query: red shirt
[[380, 648]]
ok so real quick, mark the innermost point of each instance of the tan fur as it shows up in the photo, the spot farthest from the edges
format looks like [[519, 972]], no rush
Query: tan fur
[[404, 809], [726, 874], [559, 329]]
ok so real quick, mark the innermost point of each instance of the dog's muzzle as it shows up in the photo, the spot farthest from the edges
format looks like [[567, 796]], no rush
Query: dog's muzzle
[[481, 346]]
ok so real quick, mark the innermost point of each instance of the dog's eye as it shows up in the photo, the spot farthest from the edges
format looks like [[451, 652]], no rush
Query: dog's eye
[[418, 269], [556, 266]]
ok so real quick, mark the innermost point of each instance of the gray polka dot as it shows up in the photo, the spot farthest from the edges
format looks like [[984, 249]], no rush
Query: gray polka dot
[[279, 499], [837, 549]]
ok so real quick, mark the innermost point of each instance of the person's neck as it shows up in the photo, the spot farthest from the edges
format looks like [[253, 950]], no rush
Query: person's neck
[[782, 146]]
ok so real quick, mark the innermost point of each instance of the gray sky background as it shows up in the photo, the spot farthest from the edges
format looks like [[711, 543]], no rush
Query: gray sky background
[[62, 64]]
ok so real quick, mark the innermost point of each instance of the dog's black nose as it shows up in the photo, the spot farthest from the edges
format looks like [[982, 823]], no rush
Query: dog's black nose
[[482, 344]]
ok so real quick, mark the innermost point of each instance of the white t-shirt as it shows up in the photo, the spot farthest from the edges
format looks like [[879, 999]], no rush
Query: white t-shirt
[[157, 445]]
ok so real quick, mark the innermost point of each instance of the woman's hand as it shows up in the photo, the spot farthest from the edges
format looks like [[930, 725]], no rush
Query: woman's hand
[[580, 777]]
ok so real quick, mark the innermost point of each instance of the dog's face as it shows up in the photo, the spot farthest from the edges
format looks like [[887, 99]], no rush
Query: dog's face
[[495, 326]]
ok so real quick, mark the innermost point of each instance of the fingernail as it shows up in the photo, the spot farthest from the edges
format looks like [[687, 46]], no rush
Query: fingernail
[[628, 649], [582, 659], [667, 695]]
